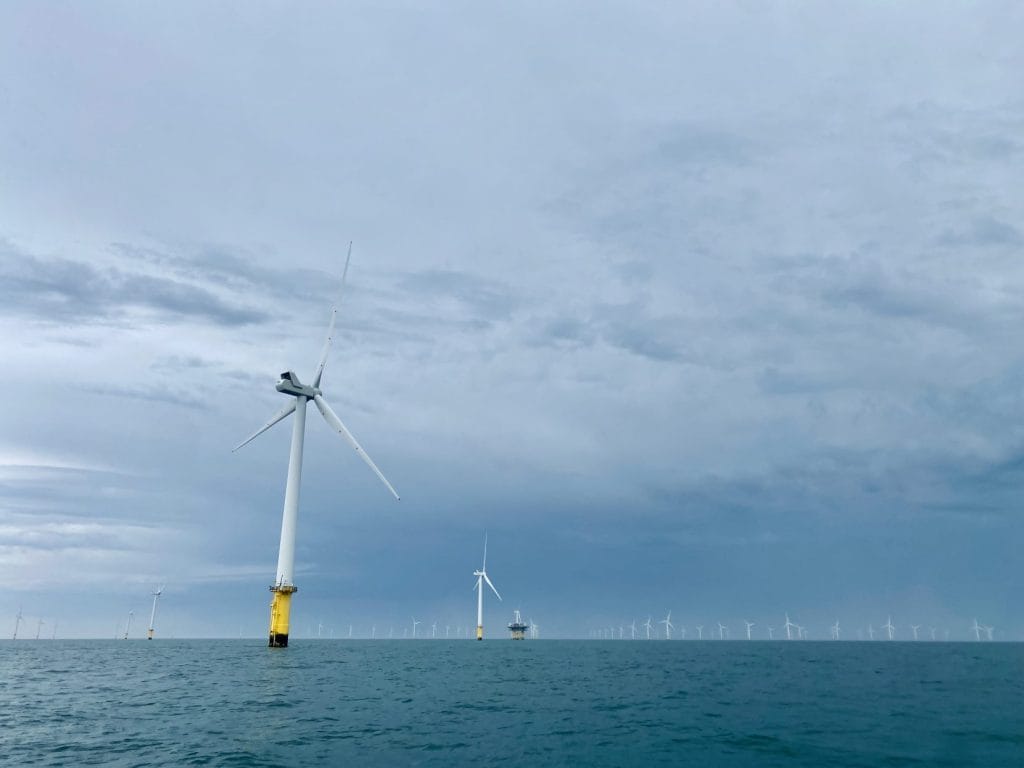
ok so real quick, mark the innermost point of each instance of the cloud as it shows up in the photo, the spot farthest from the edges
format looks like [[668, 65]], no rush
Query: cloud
[[62, 290]]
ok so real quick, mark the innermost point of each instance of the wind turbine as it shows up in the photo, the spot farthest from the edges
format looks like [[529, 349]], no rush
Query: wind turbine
[[932, 630], [481, 577], [835, 630], [888, 627], [17, 623], [414, 625], [771, 633], [667, 621], [128, 626], [433, 630], [871, 632], [988, 631], [39, 627], [647, 626], [152, 615], [977, 630], [789, 627], [632, 630], [289, 384], [750, 626], [914, 628], [721, 631]]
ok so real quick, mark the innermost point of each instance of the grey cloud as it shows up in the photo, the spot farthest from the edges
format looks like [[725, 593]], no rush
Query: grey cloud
[[485, 299], [60, 289], [983, 231]]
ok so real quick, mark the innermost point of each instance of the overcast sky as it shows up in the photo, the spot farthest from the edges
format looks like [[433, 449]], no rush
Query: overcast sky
[[711, 308]]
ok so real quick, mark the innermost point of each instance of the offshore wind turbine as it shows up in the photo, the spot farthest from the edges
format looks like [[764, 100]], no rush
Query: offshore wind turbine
[[632, 630], [289, 384], [835, 630], [771, 633], [414, 625], [481, 577], [17, 623], [667, 621], [128, 626], [914, 628], [647, 626], [988, 631], [39, 628], [721, 630], [700, 631], [750, 626], [152, 614], [976, 628], [789, 627], [871, 632], [888, 627]]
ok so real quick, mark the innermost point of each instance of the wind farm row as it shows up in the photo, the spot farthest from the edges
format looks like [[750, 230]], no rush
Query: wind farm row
[[664, 629]]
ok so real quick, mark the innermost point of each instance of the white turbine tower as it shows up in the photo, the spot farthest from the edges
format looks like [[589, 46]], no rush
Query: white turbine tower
[[750, 626], [914, 628], [871, 632], [152, 614], [414, 625], [433, 631], [771, 633], [700, 631], [18, 620], [667, 621], [481, 577], [128, 626], [632, 630], [722, 630], [888, 627], [977, 630], [790, 626], [647, 626], [289, 384], [988, 631]]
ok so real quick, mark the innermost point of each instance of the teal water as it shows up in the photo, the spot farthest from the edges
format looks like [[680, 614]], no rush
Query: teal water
[[537, 703]]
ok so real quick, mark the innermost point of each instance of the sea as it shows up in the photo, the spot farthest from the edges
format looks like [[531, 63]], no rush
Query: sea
[[500, 702]]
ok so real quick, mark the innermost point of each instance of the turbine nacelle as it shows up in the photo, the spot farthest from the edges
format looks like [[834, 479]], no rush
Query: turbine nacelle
[[289, 384]]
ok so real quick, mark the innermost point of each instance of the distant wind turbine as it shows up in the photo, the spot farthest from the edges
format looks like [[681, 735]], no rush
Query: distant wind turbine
[[988, 631], [977, 630], [700, 631], [722, 629], [835, 630], [771, 633], [871, 632], [414, 625], [789, 627], [750, 626], [128, 626], [632, 630], [17, 623], [914, 628], [667, 621], [289, 384], [932, 630], [152, 615], [481, 577], [888, 627], [647, 626], [39, 627]]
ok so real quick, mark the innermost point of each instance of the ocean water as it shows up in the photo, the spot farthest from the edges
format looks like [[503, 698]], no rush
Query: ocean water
[[536, 703]]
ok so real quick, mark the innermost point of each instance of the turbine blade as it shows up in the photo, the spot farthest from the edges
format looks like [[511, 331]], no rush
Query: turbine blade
[[330, 328], [488, 580], [273, 420], [485, 553], [332, 418]]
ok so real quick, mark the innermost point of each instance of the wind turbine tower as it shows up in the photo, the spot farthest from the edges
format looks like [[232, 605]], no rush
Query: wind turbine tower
[[750, 626], [128, 626], [667, 621], [17, 623], [789, 627], [481, 577], [888, 627], [39, 628], [152, 614], [289, 384]]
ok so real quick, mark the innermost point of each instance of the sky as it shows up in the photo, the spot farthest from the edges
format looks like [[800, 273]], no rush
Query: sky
[[714, 308]]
